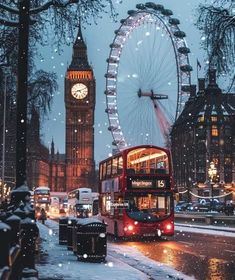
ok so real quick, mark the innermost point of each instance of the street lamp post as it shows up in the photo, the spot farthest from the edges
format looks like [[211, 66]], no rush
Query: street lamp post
[[212, 173], [4, 129], [4, 137]]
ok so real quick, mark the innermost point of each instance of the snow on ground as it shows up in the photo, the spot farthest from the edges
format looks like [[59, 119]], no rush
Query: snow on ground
[[214, 230], [122, 262]]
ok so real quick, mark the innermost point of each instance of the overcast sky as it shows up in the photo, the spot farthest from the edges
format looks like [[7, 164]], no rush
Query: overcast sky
[[98, 38]]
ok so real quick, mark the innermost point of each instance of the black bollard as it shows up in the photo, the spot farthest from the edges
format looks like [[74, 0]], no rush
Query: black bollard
[[29, 235], [74, 237], [4, 244], [63, 222], [29, 210], [20, 213], [71, 222], [3, 216], [91, 240], [14, 222], [19, 194]]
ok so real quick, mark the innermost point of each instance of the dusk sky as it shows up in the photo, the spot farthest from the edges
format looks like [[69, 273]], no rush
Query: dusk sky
[[98, 38]]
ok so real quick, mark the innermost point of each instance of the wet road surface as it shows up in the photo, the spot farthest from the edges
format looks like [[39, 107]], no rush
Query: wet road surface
[[206, 257]]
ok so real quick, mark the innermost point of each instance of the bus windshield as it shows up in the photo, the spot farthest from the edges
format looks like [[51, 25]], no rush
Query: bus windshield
[[149, 207], [147, 161]]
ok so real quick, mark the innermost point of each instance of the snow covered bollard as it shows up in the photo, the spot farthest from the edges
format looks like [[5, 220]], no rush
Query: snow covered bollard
[[4, 244], [14, 222], [63, 223], [91, 240], [71, 223], [74, 237], [29, 235]]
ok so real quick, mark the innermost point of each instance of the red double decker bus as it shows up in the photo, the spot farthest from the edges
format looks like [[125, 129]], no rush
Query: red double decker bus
[[136, 192]]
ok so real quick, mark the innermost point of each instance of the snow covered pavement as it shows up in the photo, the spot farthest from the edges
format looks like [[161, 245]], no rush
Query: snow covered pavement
[[122, 262]]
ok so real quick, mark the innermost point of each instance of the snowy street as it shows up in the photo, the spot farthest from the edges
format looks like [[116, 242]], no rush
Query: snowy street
[[122, 262]]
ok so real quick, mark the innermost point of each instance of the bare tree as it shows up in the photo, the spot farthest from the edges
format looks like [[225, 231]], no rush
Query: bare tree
[[217, 23], [51, 21], [54, 20], [42, 85]]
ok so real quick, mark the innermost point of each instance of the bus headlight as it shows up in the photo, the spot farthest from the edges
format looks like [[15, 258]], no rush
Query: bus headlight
[[129, 228], [169, 226]]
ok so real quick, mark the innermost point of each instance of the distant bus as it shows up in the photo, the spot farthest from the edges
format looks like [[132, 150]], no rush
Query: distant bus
[[58, 202], [42, 198], [82, 200], [136, 192]]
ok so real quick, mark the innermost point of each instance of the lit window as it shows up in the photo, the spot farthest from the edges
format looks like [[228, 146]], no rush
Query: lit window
[[227, 161], [214, 130], [201, 118], [214, 118]]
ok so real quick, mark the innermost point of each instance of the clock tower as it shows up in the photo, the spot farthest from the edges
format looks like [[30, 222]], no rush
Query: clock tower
[[79, 99]]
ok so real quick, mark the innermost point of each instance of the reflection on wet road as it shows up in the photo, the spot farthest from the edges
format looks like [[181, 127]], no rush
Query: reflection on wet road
[[206, 257]]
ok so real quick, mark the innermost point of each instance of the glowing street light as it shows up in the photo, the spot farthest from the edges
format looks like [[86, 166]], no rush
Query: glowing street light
[[212, 173]]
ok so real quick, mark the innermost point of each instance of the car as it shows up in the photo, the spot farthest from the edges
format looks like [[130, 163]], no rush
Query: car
[[219, 207], [199, 207], [181, 206]]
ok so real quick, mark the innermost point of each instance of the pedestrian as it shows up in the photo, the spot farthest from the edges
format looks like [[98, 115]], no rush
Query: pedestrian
[[43, 216]]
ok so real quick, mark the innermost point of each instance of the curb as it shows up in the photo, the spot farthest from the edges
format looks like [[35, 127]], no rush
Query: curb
[[207, 228]]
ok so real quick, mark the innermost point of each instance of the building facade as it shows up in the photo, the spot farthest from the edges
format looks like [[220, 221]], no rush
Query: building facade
[[204, 134]]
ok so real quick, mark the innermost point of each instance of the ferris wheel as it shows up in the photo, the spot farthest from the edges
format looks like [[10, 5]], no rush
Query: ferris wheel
[[148, 76]]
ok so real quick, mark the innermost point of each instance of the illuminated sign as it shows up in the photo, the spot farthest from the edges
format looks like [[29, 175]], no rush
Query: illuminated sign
[[138, 184], [161, 183], [142, 184], [119, 205]]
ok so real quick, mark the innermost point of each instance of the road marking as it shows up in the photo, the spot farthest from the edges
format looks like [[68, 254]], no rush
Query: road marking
[[186, 243]]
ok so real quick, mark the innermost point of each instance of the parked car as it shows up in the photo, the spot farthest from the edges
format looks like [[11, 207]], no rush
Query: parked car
[[181, 206], [199, 207], [219, 207]]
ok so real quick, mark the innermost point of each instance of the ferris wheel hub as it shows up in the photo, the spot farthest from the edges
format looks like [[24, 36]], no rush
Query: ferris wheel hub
[[152, 95]]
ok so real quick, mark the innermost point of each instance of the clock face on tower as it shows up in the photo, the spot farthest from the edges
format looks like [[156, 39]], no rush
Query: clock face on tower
[[79, 91]]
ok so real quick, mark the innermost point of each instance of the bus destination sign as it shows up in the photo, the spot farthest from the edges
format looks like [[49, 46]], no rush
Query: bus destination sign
[[148, 184]]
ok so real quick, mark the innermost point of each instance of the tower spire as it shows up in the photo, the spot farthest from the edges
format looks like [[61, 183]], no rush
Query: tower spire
[[79, 58], [52, 148]]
